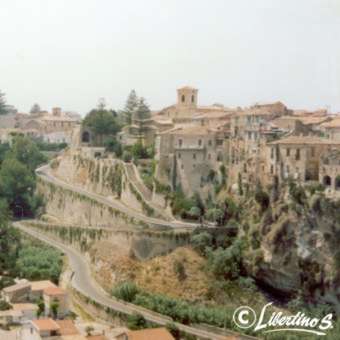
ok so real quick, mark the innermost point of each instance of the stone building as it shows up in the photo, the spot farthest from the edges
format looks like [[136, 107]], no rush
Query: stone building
[[55, 127], [331, 128], [189, 155], [297, 157], [250, 130], [329, 170]]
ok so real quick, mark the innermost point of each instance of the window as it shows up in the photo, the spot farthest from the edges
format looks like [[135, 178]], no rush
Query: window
[[179, 155], [200, 142], [209, 156], [287, 152], [210, 143], [182, 166], [183, 98], [271, 169], [297, 155], [272, 153], [194, 156], [287, 169], [180, 142], [193, 99], [219, 142], [313, 151]]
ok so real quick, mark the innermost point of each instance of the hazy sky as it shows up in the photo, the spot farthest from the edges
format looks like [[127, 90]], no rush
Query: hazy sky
[[237, 52]]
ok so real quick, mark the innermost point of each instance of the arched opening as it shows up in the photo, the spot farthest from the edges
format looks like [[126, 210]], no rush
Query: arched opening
[[85, 138], [327, 181], [183, 98], [337, 183]]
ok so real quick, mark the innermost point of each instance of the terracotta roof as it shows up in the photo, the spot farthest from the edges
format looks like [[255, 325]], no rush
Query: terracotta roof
[[41, 285], [96, 337], [24, 306], [150, 334], [54, 291], [46, 325], [304, 140], [335, 123], [67, 327]]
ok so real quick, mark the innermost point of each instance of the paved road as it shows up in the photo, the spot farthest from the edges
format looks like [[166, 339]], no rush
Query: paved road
[[83, 282], [44, 174]]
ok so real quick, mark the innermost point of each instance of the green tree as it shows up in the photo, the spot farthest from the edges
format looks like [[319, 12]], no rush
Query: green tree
[[39, 263], [102, 123], [139, 151], [54, 308], [3, 106], [142, 111], [17, 185], [226, 263], [201, 242], [41, 307], [130, 107], [9, 240], [35, 108], [27, 152]]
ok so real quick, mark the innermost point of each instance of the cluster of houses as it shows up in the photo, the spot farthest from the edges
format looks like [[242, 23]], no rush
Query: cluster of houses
[[253, 144], [51, 127], [40, 310]]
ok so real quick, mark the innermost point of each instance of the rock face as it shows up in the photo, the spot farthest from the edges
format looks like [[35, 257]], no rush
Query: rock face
[[299, 250], [111, 178]]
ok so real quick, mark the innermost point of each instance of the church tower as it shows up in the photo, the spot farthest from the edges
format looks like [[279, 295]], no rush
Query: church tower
[[186, 99]]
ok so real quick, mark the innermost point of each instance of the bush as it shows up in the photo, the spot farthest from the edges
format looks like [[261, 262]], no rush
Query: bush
[[39, 263], [136, 321], [127, 157], [262, 198], [180, 270], [4, 305], [226, 263], [127, 291], [201, 241]]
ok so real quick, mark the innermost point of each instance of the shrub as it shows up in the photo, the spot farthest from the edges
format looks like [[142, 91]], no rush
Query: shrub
[[201, 241], [127, 291], [4, 305], [179, 269], [127, 157], [136, 321]]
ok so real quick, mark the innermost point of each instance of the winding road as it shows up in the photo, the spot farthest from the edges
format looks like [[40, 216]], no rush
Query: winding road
[[83, 282], [44, 174]]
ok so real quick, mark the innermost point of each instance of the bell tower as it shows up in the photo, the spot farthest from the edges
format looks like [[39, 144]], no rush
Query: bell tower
[[187, 99]]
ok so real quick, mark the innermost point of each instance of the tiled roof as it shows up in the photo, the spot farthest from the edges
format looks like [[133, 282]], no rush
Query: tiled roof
[[24, 306], [67, 327], [41, 285], [45, 325], [335, 123], [150, 334], [51, 291]]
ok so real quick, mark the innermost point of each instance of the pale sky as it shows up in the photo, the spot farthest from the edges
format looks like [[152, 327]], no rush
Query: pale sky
[[69, 53]]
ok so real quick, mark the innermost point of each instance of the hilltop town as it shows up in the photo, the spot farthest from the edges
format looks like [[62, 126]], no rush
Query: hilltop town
[[230, 199]]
